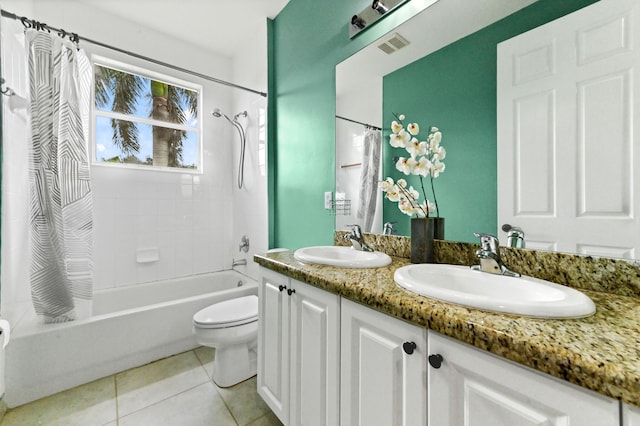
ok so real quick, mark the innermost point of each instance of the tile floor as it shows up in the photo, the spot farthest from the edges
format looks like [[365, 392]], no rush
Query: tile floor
[[175, 391]]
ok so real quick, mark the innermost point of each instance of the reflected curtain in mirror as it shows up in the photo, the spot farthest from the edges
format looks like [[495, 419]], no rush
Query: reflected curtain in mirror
[[369, 179]]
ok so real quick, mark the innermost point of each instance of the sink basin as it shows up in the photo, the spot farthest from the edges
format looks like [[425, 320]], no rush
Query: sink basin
[[344, 257], [522, 296]]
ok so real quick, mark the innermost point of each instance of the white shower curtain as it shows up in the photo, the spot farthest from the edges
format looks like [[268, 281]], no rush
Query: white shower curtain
[[369, 179], [61, 218]]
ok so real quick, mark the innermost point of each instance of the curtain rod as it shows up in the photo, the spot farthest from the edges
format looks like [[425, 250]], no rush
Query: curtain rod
[[359, 122], [30, 23]]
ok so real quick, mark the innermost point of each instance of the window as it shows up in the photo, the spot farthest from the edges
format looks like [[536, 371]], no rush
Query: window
[[143, 119]]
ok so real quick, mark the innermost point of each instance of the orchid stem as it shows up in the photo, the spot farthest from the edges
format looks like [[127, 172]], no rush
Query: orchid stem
[[424, 194], [435, 201]]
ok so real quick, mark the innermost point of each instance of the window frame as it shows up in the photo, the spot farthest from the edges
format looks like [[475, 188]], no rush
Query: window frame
[[97, 60]]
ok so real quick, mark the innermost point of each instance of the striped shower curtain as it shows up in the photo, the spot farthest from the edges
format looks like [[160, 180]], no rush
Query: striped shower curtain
[[60, 208]]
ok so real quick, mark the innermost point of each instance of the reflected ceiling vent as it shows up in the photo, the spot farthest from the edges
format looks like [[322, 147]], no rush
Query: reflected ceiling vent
[[393, 43]]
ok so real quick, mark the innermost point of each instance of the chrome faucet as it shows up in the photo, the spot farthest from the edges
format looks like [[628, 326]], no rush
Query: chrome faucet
[[356, 239], [489, 255], [387, 228], [515, 236]]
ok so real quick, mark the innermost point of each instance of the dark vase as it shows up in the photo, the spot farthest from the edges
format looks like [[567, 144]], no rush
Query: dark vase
[[423, 231]]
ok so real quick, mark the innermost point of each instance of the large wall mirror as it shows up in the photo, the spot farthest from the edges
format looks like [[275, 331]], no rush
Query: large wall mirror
[[445, 75]]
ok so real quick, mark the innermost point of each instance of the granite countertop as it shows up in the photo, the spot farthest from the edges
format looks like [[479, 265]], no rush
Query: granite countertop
[[601, 352]]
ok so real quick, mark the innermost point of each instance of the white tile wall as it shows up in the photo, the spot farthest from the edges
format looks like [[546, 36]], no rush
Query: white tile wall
[[250, 203], [173, 212]]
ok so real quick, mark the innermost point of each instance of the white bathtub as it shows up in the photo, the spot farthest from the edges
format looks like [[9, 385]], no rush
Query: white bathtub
[[131, 326]]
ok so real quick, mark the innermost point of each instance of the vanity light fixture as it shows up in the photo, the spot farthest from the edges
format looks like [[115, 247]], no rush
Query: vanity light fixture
[[358, 22], [379, 7], [373, 12]]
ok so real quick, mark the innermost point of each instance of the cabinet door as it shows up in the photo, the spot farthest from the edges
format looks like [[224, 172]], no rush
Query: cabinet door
[[475, 388], [380, 383], [315, 356], [273, 343], [630, 415]]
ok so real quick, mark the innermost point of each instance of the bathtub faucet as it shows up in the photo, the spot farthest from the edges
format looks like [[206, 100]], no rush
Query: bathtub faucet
[[239, 262]]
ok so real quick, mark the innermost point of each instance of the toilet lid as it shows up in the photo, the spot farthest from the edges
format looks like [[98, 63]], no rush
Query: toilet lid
[[241, 310]]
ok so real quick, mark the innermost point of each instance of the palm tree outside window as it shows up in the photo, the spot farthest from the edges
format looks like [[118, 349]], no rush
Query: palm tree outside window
[[145, 121]]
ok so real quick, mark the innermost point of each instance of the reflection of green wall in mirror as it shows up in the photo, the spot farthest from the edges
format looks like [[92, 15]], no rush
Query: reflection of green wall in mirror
[[306, 41], [455, 90]]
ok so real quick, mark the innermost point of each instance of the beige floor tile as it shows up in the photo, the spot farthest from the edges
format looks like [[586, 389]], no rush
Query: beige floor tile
[[268, 419], [206, 356], [90, 404], [244, 402], [198, 406], [143, 386]]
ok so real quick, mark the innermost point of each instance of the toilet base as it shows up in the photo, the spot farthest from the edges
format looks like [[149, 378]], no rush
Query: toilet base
[[234, 364]]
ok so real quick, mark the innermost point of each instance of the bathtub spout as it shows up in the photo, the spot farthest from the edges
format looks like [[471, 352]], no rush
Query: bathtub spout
[[239, 262]]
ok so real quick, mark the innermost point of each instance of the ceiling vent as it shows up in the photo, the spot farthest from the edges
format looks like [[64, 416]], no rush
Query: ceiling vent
[[392, 44]]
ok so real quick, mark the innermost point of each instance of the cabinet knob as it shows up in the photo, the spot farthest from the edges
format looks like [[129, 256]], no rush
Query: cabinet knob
[[409, 347], [435, 360], [290, 291], [282, 287]]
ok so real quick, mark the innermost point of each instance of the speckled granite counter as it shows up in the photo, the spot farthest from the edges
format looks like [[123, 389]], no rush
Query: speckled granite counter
[[601, 352]]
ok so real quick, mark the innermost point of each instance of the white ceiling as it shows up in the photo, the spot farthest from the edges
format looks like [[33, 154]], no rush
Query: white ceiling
[[216, 25]]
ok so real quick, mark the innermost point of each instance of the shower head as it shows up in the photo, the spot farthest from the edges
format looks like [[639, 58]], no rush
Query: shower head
[[218, 113], [241, 132], [240, 114]]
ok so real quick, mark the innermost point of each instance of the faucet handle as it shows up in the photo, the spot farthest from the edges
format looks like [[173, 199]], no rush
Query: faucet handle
[[488, 242], [356, 230]]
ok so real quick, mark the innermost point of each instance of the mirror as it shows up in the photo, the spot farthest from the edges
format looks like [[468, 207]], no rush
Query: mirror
[[359, 96]]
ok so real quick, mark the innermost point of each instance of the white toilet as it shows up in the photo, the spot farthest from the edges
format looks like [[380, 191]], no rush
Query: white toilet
[[231, 327]]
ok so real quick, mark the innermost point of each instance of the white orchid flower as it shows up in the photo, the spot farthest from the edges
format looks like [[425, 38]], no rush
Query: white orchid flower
[[422, 168], [393, 194], [406, 207], [437, 168], [416, 148], [405, 165], [411, 192], [387, 184], [411, 165], [428, 206], [439, 153], [399, 139], [425, 160]]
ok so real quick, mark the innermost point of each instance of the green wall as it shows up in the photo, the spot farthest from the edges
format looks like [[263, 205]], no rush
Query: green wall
[[457, 93]]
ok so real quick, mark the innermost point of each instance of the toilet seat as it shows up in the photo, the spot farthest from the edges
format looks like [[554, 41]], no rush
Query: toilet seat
[[229, 313]]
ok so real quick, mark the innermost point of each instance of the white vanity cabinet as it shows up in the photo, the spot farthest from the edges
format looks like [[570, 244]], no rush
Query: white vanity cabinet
[[474, 387], [383, 378], [630, 415], [298, 351]]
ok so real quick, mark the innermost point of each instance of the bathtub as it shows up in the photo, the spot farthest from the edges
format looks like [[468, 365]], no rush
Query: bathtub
[[130, 326]]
